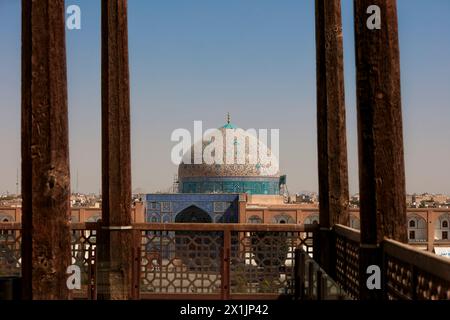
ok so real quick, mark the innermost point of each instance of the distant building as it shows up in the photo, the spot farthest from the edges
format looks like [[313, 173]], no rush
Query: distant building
[[247, 194], [248, 177], [440, 198], [211, 192], [311, 198], [10, 214], [179, 207]]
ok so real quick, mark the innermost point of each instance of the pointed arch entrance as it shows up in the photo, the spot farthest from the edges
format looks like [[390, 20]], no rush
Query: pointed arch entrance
[[197, 250], [193, 214]]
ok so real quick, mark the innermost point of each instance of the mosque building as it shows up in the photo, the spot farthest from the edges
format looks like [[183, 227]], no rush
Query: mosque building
[[247, 193], [248, 177], [250, 193], [227, 192]]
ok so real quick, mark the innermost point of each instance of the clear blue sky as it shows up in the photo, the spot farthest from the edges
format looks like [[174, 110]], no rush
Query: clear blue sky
[[199, 59]]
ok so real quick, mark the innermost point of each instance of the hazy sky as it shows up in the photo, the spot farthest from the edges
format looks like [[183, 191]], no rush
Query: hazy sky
[[199, 59]]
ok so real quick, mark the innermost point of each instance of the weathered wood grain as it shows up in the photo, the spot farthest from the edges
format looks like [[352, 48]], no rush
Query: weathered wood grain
[[116, 248], [331, 127], [380, 137], [45, 152], [380, 130]]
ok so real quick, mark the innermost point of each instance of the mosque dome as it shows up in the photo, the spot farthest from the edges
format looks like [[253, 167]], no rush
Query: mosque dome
[[243, 172]]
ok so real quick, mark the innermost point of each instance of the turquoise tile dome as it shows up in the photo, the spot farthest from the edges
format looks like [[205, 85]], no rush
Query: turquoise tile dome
[[249, 177]]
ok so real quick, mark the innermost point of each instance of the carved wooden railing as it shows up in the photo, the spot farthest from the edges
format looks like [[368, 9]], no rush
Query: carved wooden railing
[[408, 273], [10, 241], [415, 275], [189, 261], [219, 261], [347, 259], [239, 261], [83, 247]]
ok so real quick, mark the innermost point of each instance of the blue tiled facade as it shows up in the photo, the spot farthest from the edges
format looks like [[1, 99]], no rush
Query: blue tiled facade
[[222, 208], [250, 185]]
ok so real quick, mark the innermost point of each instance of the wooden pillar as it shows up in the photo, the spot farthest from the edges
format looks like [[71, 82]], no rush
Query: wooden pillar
[[45, 153], [381, 160], [116, 247], [331, 128]]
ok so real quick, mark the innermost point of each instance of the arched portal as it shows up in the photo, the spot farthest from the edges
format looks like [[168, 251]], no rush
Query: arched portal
[[283, 219], [199, 251], [442, 229], [4, 217], [193, 214], [417, 229]]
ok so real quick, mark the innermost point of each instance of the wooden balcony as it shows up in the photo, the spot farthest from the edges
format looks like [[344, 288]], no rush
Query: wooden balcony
[[407, 273], [243, 261], [214, 260]]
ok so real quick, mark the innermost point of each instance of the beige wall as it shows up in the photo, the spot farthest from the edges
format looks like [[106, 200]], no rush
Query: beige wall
[[77, 214], [426, 220], [10, 214], [271, 210]]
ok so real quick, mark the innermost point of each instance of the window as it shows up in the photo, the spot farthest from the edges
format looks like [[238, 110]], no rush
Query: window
[[312, 219], [6, 217], [444, 235], [444, 224], [417, 228], [283, 219], [152, 205], [94, 218], [254, 219]]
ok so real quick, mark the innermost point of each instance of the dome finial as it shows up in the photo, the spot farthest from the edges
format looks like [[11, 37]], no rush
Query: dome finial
[[228, 125]]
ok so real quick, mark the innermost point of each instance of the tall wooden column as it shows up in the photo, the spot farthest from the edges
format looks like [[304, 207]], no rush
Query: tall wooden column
[[331, 128], [381, 160], [115, 251], [45, 152]]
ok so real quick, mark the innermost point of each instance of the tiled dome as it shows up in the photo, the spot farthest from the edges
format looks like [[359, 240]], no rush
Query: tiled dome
[[248, 169]]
